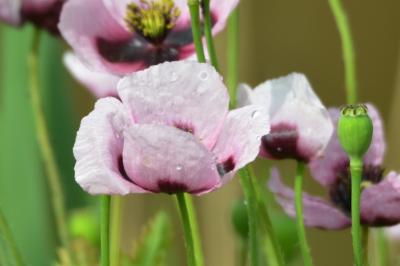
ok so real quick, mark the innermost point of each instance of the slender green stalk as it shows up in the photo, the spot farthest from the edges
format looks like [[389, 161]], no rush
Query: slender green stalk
[[252, 209], [272, 249], [208, 34], [195, 230], [105, 230], [6, 235], [298, 187], [347, 48], [243, 253], [43, 138], [115, 233], [194, 7], [233, 55], [382, 251], [187, 229], [356, 172], [365, 241]]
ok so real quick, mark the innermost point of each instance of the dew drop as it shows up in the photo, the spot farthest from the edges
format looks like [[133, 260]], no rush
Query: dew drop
[[203, 75], [255, 114], [179, 167], [174, 77]]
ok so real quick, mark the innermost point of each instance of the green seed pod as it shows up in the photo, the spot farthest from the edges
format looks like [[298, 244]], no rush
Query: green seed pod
[[355, 130], [240, 219]]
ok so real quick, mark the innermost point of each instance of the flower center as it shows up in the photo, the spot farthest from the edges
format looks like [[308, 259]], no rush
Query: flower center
[[152, 19], [340, 191]]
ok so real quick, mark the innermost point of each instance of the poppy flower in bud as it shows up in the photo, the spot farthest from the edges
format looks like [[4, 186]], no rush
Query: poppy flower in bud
[[300, 124], [120, 37], [170, 132], [42, 13], [380, 195]]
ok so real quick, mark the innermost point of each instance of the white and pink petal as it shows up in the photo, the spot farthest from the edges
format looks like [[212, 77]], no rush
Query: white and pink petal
[[165, 159], [98, 150]]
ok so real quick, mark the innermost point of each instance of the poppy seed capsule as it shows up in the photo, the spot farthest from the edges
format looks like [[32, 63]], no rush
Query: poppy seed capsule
[[355, 130]]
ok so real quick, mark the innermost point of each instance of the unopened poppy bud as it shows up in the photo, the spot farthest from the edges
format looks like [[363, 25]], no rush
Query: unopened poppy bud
[[355, 130], [240, 219]]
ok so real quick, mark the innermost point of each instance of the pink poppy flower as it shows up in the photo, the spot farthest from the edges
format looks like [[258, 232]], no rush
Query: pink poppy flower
[[300, 124], [380, 197], [393, 233], [170, 132], [120, 37], [42, 13]]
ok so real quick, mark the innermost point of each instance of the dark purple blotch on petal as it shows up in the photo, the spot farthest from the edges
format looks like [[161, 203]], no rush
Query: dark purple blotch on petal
[[47, 18], [340, 191], [171, 187], [226, 166], [282, 143], [184, 127]]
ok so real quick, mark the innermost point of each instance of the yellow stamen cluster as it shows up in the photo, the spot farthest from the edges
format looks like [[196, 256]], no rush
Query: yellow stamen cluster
[[152, 18]]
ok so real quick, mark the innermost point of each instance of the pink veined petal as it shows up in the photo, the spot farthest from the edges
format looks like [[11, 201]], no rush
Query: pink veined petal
[[240, 139], [316, 211], [376, 151], [101, 84], [221, 10], [37, 5], [10, 11], [185, 94], [380, 203], [98, 150], [118, 9], [82, 22], [161, 158], [393, 232]]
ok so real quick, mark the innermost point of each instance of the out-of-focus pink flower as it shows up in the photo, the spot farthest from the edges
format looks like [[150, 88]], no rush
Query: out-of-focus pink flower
[[300, 124], [380, 196], [393, 233], [43, 13], [170, 132], [120, 37]]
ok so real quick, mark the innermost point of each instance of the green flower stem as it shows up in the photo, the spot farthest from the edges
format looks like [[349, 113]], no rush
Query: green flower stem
[[43, 138], [188, 229], [252, 209], [298, 187], [356, 172], [382, 251], [365, 242], [105, 230], [194, 7], [233, 55], [208, 34], [115, 230], [8, 239], [348, 49], [195, 230]]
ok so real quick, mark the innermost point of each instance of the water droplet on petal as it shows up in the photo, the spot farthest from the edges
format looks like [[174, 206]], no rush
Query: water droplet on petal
[[255, 114], [179, 167], [174, 77], [201, 89], [203, 75]]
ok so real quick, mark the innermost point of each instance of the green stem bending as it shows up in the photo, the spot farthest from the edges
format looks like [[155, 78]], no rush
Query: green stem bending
[[188, 229], [298, 187], [208, 34], [115, 230], [105, 230], [233, 55], [348, 49], [252, 210], [194, 7], [356, 172], [43, 138]]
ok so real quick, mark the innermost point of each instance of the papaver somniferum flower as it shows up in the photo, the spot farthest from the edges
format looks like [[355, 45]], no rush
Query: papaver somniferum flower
[[119, 37], [43, 13], [300, 124], [380, 196], [170, 132]]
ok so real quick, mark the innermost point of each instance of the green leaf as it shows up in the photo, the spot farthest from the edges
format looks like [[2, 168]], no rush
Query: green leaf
[[9, 254], [152, 247]]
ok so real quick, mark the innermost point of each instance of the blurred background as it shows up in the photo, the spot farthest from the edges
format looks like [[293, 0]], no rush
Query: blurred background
[[277, 37]]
